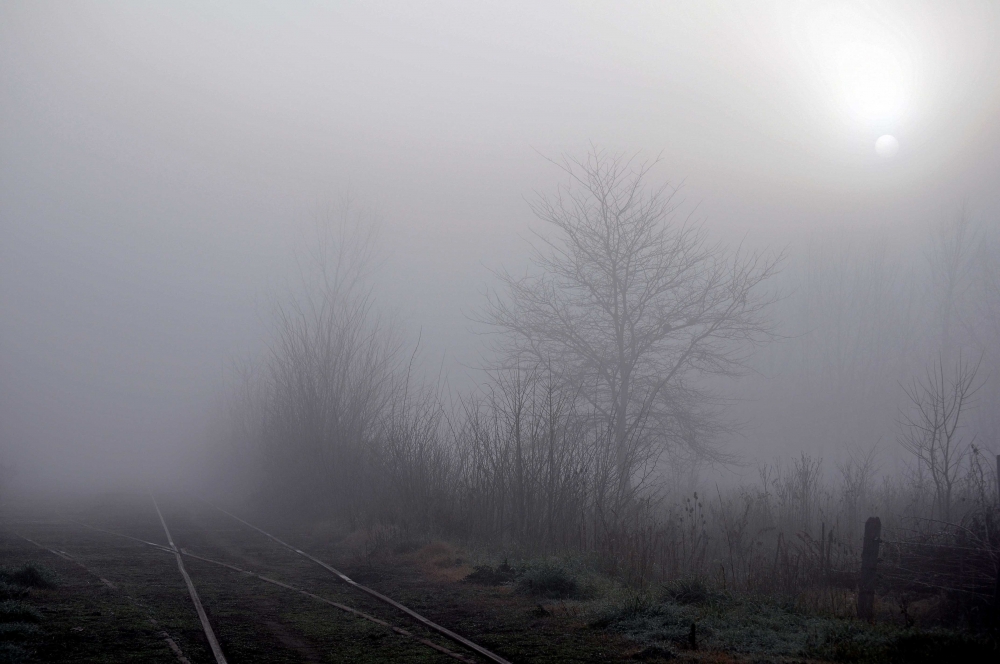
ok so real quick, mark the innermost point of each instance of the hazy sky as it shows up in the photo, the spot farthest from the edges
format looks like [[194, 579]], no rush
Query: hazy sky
[[160, 163]]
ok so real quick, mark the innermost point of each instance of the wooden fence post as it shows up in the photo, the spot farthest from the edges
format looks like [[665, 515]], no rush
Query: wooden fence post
[[869, 563]]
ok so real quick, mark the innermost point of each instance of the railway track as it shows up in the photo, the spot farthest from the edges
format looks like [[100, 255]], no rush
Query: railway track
[[225, 549], [168, 639]]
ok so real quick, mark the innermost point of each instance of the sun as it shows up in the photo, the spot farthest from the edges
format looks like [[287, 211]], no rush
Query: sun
[[886, 145], [865, 65]]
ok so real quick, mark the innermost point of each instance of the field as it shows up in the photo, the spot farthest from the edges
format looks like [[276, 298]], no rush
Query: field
[[118, 599]]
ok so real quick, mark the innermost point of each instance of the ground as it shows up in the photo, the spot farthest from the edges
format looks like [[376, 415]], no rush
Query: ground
[[120, 600]]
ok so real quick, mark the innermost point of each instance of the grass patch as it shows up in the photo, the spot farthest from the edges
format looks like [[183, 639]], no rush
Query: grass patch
[[18, 618], [762, 629], [12, 654], [30, 575], [17, 611], [13, 631]]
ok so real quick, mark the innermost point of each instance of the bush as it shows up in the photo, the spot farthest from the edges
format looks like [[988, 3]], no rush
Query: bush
[[11, 591], [549, 579]]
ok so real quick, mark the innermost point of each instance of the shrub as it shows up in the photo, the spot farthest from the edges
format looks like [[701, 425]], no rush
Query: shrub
[[550, 579]]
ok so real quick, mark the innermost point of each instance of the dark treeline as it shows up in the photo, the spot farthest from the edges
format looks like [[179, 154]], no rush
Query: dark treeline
[[634, 351]]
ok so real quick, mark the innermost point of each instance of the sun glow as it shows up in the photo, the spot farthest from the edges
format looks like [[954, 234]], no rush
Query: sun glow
[[871, 81], [864, 64]]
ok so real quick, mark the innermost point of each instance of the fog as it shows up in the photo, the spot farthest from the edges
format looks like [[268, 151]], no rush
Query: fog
[[163, 169]]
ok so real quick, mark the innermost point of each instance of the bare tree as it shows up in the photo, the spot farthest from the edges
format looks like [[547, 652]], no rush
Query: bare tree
[[627, 303], [931, 430], [313, 410]]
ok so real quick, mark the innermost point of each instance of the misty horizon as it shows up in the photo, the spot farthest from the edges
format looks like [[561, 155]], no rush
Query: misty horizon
[[163, 169]]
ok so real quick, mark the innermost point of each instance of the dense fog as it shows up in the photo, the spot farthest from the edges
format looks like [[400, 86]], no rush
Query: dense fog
[[169, 175]]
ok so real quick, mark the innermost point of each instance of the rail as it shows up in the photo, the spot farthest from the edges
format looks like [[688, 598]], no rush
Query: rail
[[377, 595], [287, 586], [213, 642]]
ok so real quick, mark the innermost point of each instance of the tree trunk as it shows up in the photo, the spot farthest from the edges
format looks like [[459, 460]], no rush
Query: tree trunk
[[621, 441]]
